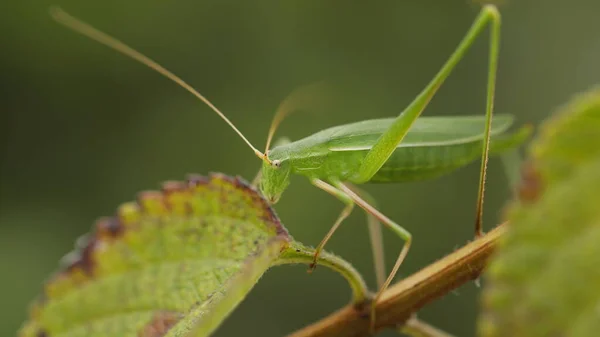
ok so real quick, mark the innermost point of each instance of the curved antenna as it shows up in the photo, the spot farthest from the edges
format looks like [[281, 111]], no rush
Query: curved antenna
[[296, 100], [284, 109], [85, 29]]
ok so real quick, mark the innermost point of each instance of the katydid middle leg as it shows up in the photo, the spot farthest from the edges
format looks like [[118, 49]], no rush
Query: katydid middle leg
[[375, 236], [397, 229], [413, 326], [350, 197]]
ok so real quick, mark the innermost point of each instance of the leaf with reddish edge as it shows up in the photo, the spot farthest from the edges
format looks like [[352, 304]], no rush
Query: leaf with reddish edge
[[173, 263]]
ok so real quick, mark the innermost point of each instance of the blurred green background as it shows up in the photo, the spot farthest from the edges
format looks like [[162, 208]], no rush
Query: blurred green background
[[83, 128]]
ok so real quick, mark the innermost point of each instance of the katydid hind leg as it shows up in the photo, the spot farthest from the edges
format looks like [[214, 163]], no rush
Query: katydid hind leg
[[389, 140], [375, 236], [343, 215], [397, 229], [494, 16]]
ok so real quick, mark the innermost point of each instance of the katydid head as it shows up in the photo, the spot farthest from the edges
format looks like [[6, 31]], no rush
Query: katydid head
[[275, 179]]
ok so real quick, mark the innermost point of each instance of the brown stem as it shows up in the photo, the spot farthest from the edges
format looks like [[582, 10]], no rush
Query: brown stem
[[412, 293]]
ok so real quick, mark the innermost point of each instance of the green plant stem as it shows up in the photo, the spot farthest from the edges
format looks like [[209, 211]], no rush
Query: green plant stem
[[298, 253]]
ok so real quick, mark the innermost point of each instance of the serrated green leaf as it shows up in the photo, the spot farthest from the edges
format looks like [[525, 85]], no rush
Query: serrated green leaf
[[544, 279], [174, 263]]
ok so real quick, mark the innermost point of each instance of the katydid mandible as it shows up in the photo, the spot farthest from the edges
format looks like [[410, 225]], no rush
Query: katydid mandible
[[404, 148]]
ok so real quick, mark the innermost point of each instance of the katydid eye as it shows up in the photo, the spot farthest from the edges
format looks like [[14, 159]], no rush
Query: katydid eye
[[276, 163]]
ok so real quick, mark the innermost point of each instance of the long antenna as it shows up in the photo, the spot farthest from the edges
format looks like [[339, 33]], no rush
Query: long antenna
[[300, 98], [283, 111], [83, 28]]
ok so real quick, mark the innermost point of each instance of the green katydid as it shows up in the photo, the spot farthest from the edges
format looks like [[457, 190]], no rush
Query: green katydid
[[404, 148]]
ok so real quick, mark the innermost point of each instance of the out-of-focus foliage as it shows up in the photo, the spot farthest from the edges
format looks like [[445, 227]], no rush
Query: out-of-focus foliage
[[544, 279], [83, 128]]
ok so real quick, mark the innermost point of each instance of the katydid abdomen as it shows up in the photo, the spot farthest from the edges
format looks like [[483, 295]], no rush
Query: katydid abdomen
[[433, 147], [420, 163]]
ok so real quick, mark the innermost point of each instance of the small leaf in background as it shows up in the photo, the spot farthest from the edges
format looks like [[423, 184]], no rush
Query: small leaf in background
[[544, 279], [174, 263]]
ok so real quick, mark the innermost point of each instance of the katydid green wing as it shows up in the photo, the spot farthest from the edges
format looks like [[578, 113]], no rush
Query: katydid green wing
[[174, 263], [544, 279]]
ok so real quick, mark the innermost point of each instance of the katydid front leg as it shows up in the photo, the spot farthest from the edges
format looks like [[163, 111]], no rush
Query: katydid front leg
[[345, 213]]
